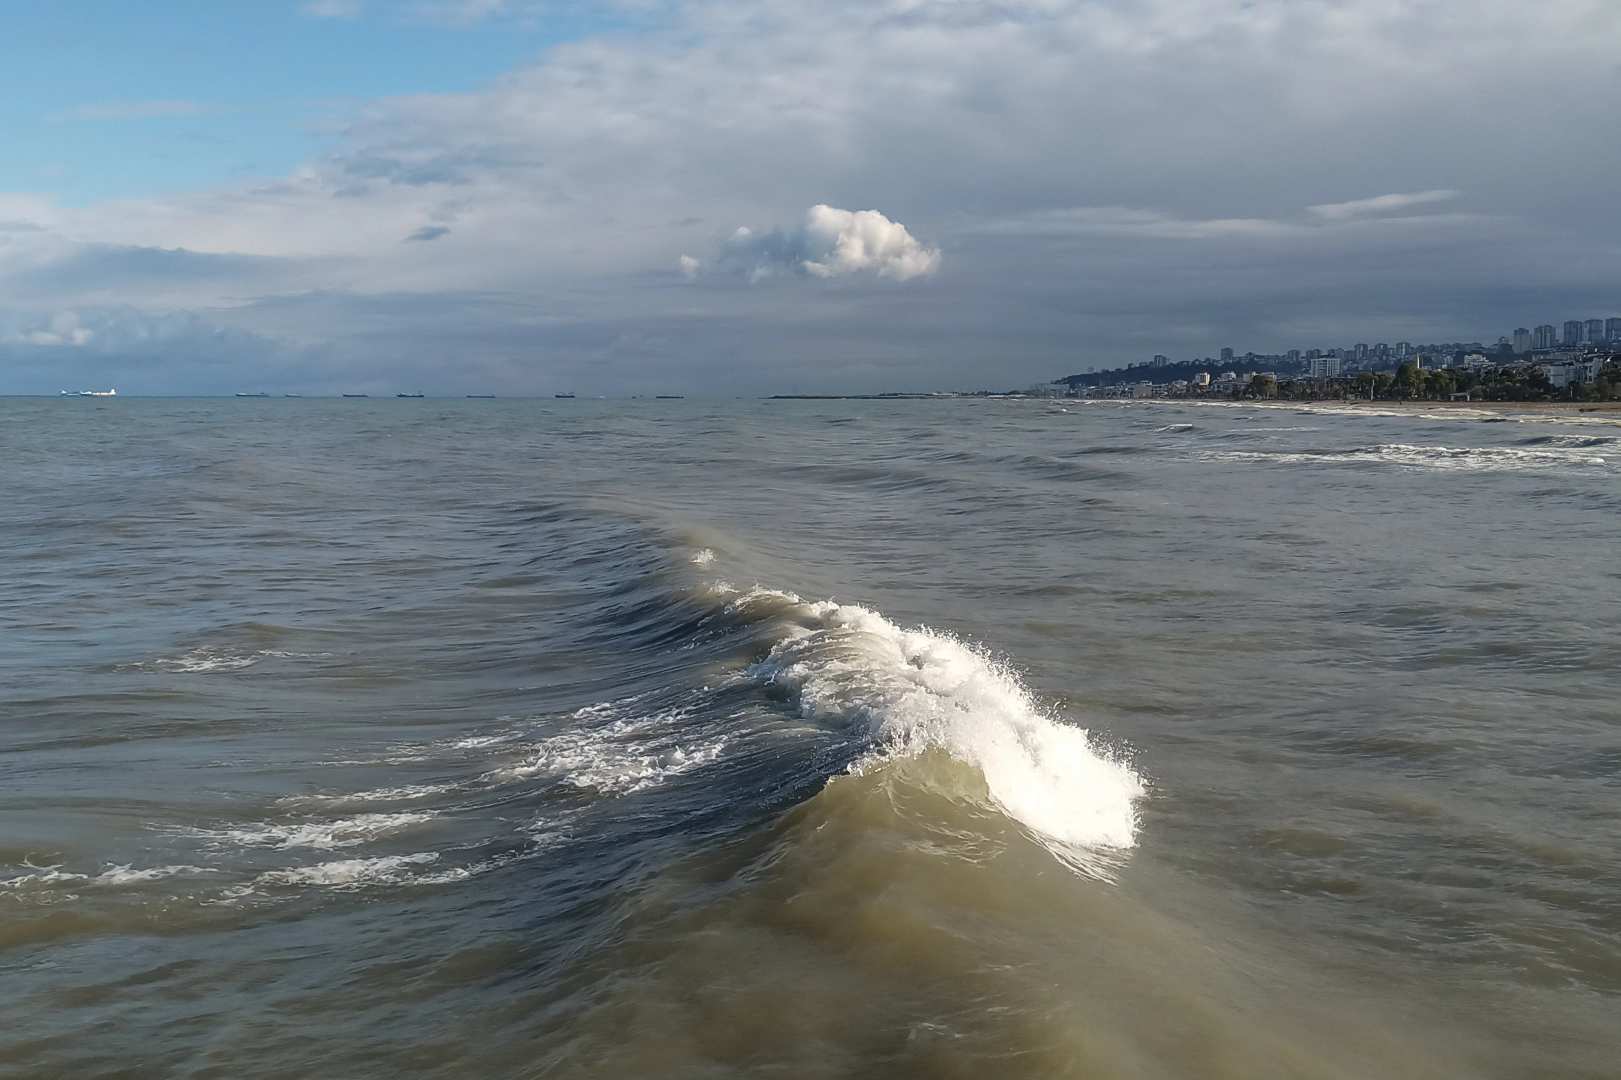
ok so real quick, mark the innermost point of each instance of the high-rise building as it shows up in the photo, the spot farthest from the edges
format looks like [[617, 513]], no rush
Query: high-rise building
[[1325, 367], [1573, 332], [1544, 337], [1161, 361], [1522, 340], [1404, 349], [1381, 351], [1362, 352], [1312, 354], [1592, 331], [1612, 329], [1294, 354], [1226, 356]]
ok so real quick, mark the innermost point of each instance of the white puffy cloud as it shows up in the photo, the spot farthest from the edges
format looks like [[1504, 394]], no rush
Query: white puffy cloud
[[831, 242]]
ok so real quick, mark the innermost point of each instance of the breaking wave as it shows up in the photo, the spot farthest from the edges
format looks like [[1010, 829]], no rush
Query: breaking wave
[[905, 692], [858, 691]]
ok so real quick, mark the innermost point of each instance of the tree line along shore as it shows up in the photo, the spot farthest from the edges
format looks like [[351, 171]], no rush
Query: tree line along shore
[[1597, 379]]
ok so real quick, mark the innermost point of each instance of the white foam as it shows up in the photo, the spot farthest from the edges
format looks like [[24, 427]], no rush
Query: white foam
[[214, 659], [44, 876], [703, 558], [114, 875], [910, 690], [321, 835], [404, 793], [628, 755], [479, 742], [1482, 458], [354, 873], [124, 875]]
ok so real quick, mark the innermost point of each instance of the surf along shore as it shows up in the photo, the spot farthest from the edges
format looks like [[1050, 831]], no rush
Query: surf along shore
[[1607, 409]]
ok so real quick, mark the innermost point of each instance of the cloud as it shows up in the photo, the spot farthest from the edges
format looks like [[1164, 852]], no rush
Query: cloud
[[1110, 180], [1126, 221], [1382, 204], [427, 232], [62, 328], [130, 110], [333, 9], [833, 243], [44, 351]]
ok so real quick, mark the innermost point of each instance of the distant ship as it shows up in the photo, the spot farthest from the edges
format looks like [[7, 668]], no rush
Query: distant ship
[[410, 395], [481, 395], [669, 397], [90, 393], [357, 395], [562, 395], [253, 395]]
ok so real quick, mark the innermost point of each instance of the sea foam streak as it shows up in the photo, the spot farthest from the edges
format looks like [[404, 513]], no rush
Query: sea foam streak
[[115, 874], [910, 690], [626, 755], [342, 833], [1482, 458]]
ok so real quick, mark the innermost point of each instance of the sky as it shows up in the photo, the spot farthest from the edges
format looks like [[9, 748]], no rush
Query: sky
[[718, 198]]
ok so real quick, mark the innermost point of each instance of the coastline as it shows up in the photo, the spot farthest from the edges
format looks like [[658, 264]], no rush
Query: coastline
[[1605, 409]]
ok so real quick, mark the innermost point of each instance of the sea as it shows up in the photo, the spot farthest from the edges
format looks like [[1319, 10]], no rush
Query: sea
[[936, 738]]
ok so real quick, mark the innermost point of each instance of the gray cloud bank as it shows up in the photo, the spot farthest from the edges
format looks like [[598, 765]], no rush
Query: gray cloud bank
[[1036, 187]]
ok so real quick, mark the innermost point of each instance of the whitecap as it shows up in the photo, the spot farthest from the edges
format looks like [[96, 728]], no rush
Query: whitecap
[[907, 691]]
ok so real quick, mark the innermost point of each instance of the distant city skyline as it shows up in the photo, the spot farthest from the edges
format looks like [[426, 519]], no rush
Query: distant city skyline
[[1575, 333]]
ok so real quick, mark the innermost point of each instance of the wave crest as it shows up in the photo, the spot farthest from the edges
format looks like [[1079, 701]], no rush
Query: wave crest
[[908, 691]]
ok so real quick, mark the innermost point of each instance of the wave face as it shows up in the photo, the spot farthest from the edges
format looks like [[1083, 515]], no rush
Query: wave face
[[1040, 740], [907, 691]]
